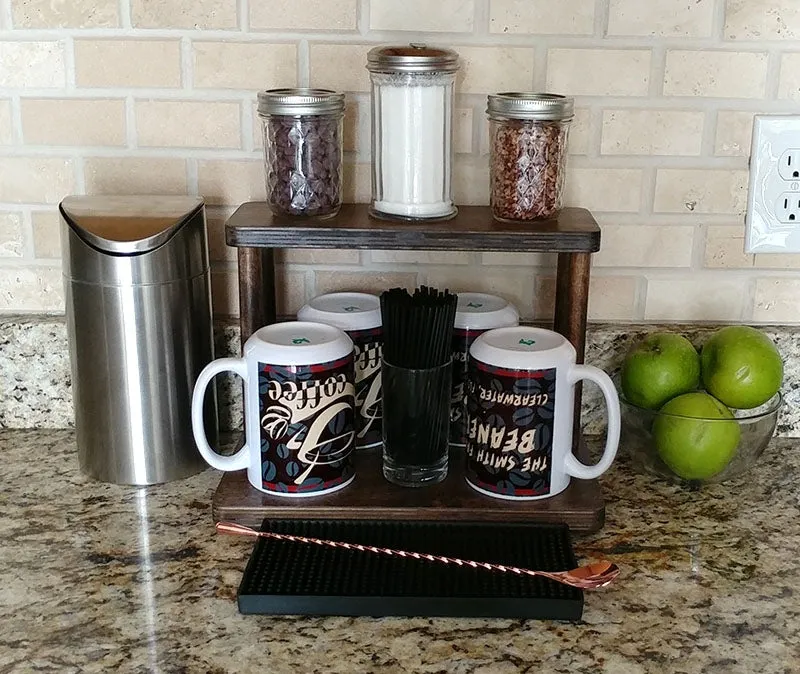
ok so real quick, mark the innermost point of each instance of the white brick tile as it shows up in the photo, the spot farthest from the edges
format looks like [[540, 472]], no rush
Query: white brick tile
[[652, 132], [49, 121], [488, 69], [231, 182], [462, 131], [514, 286], [777, 300], [603, 189], [11, 237], [127, 63], [612, 298], [519, 259], [195, 14], [37, 289], [715, 74], [422, 15], [328, 15], [762, 20], [367, 282], [541, 17], [734, 131], [37, 180], [46, 236], [188, 124], [135, 175], [700, 191], [580, 132], [6, 129], [725, 248], [645, 246], [71, 14], [318, 256], [598, 72], [789, 83], [32, 64], [421, 257], [341, 67], [777, 260], [680, 298], [670, 18], [251, 66]]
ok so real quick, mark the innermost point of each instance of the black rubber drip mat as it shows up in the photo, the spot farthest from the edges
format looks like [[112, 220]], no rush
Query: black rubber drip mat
[[288, 578]]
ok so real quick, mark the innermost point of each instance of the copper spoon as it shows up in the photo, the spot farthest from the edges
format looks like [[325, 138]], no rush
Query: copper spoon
[[588, 577]]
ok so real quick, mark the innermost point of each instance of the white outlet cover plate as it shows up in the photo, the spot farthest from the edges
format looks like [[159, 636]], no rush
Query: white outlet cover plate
[[773, 135]]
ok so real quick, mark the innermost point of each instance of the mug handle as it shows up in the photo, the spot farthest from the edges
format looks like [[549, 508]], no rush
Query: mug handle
[[240, 459], [574, 467]]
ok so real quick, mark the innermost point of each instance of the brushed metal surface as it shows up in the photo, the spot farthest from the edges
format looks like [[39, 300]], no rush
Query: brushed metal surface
[[140, 331]]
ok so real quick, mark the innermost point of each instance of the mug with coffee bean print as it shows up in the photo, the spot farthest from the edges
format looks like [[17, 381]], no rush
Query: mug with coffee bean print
[[298, 409], [520, 403], [475, 314], [359, 315]]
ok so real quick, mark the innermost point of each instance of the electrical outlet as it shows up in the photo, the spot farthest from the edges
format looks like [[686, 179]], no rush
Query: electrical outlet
[[787, 210], [773, 202], [789, 164]]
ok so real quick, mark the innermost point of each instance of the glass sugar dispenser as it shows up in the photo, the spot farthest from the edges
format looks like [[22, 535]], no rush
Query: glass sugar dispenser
[[302, 150], [528, 153], [412, 131]]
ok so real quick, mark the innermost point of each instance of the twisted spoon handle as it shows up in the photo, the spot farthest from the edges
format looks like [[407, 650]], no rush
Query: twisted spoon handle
[[599, 575]]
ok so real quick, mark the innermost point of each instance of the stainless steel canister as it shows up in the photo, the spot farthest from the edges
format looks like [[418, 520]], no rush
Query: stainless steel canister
[[138, 303]]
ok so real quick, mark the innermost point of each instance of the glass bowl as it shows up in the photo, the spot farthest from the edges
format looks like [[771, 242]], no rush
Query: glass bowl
[[756, 427]]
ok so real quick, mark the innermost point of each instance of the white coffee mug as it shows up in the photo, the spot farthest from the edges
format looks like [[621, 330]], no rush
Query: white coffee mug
[[520, 404], [298, 409]]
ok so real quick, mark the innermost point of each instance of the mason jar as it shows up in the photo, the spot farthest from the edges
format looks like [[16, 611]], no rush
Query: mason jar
[[412, 131], [302, 150], [528, 153]]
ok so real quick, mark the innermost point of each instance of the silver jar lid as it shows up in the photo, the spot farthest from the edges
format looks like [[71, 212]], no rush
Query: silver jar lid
[[541, 107], [299, 102], [416, 57]]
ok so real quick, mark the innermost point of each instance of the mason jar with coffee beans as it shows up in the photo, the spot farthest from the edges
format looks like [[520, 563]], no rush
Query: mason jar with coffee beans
[[528, 152], [302, 150]]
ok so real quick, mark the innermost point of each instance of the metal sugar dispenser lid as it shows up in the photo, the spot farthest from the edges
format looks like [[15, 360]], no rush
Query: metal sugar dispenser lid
[[299, 102], [412, 58], [538, 107]]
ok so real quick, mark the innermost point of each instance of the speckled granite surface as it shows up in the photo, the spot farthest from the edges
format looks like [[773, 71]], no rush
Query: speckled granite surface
[[99, 578], [35, 377]]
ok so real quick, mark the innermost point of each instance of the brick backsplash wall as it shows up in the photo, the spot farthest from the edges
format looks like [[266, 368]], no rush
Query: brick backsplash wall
[[132, 96]]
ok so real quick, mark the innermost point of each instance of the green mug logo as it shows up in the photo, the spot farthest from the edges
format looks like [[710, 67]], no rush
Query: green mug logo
[[527, 342], [475, 305], [352, 308], [300, 340]]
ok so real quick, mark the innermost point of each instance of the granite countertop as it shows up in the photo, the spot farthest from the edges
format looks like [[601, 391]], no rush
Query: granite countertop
[[100, 578]]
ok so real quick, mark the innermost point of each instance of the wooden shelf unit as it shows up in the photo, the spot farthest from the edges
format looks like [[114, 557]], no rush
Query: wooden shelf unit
[[256, 233]]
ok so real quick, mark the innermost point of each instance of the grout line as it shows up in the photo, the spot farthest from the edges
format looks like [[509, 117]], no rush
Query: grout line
[[772, 82], [7, 18], [718, 22], [303, 63], [125, 14], [540, 60], [602, 11], [187, 65], [247, 125], [362, 17], [243, 15], [481, 18], [79, 167]]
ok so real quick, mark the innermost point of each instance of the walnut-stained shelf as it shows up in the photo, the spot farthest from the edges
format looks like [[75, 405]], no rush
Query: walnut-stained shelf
[[256, 233]]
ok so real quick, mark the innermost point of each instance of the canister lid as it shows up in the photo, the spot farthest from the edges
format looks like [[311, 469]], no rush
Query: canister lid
[[347, 311], [520, 105], [126, 225], [480, 311], [522, 348], [299, 102], [299, 343], [412, 58]]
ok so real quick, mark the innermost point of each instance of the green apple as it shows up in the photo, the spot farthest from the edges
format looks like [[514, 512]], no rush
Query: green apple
[[659, 367], [695, 435], [741, 366]]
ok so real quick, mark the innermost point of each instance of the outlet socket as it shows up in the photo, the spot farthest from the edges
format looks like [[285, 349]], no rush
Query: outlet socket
[[773, 201]]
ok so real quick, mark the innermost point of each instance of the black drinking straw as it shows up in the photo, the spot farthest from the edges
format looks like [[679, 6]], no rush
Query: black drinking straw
[[417, 335]]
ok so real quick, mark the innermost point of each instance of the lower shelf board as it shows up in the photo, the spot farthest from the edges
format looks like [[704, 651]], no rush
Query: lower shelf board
[[371, 497]]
